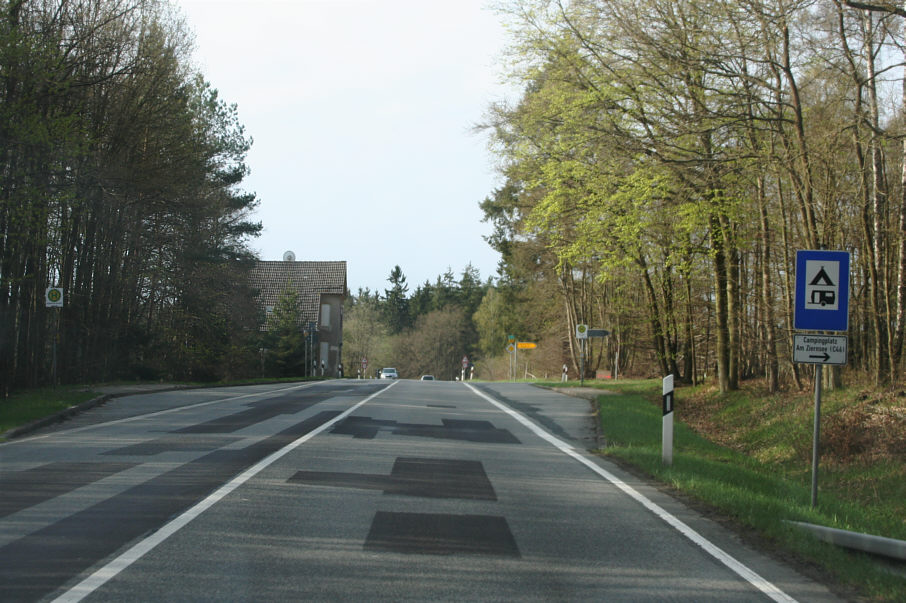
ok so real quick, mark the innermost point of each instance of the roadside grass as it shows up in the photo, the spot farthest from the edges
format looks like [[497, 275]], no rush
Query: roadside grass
[[748, 456], [27, 406]]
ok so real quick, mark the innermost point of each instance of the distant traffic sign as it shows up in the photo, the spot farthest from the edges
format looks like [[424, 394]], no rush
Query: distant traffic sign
[[581, 331], [819, 349], [822, 291], [526, 345], [53, 297]]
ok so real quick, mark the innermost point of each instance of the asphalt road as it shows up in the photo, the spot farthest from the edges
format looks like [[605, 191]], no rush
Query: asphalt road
[[354, 490]]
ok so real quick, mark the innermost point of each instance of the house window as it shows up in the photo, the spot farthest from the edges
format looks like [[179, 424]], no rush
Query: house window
[[325, 316]]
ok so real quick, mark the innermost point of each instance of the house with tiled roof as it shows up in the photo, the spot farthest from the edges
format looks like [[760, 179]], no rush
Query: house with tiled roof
[[321, 287]]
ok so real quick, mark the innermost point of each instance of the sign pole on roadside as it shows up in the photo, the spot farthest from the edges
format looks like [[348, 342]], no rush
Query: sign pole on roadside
[[524, 345], [53, 298], [582, 336], [816, 434], [821, 304], [511, 348]]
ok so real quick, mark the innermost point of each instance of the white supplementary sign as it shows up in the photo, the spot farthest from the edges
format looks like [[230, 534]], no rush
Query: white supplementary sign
[[820, 349]]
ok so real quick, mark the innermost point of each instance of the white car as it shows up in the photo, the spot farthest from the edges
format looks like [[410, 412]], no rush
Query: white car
[[389, 373]]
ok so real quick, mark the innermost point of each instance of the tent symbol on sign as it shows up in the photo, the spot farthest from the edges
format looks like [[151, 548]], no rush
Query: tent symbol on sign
[[822, 290]]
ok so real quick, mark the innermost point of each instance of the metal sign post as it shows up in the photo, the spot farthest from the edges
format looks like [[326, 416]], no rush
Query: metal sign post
[[582, 336], [53, 298], [511, 350], [816, 435], [312, 334], [582, 363], [821, 304]]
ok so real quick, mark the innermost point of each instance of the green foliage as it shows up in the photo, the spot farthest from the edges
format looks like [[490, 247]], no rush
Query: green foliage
[[439, 327], [493, 323], [434, 345], [396, 305], [365, 334], [686, 149], [284, 341], [119, 175]]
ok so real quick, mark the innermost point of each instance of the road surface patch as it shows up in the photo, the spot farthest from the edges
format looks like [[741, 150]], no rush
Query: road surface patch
[[482, 432], [427, 478], [441, 534], [24, 489], [174, 443]]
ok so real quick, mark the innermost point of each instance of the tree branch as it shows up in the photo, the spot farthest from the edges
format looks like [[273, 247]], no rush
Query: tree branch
[[886, 7]]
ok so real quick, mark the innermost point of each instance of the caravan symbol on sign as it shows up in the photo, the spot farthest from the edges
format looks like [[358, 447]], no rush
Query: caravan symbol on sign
[[821, 282]]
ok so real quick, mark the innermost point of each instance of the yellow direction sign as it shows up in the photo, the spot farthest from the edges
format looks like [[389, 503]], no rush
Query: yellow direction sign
[[525, 345]]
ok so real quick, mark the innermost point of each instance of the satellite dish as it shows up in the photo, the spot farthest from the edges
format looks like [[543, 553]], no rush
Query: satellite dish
[[289, 256]]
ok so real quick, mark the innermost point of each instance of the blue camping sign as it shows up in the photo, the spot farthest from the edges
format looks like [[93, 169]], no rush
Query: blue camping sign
[[822, 291]]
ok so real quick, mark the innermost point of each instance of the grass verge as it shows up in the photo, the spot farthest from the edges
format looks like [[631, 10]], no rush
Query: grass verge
[[24, 407], [759, 474]]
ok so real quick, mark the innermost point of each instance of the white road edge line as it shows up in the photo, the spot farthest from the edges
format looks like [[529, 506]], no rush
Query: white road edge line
[[133, 554], [728, 560]]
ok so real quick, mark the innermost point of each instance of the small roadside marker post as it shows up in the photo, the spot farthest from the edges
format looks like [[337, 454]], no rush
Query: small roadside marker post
[[667, 422]]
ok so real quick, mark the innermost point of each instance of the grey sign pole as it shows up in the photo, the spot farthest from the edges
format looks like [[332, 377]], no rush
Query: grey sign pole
[[515, 361], [821, 304], [817, 432], [582, 364]]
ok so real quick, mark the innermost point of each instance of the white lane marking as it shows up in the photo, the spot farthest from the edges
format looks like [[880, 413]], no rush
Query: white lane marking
[[156, 413], [123, 561], [742, 570]]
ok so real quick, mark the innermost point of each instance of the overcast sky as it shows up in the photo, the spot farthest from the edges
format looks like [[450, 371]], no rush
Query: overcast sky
[[361, 113]]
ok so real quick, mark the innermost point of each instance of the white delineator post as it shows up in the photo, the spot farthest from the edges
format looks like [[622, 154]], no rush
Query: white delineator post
[[667, 422]]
